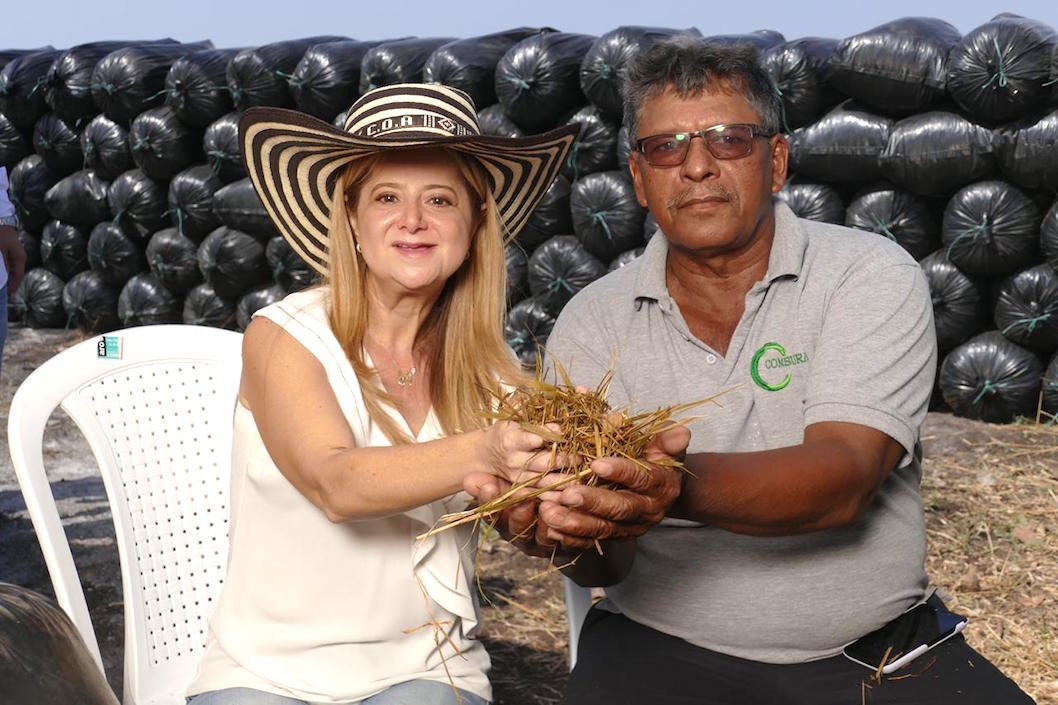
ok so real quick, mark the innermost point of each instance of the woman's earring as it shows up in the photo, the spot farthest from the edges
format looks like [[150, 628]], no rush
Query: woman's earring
[[358, 247]]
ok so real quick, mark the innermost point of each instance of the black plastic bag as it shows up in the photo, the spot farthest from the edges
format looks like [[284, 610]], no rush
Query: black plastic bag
[[842, 148], [68, 87], [607, 218], [339, 119], [1026, 153], [196, 89], [935, 153], [14, 147], [39, 299], [31, 244], [63, 249], [28, 183], [239, 207], [105, 146], [130, 80], [470, 64], [163, 146], [1027, 308], [624, 259], [493, 121], [814, 201], [1050, 388], [538, 79], [327, 79], [80, 199], [398, 61], [289, 270], [203, 307], [651, 228], [799, 72], [256, 299], [997, 71], [139, 204], [258, 76], [223, 153], [527, 328], [898, 68], [902, 217], [552, 217], [90, 303], [1049, 237], [173, 258], [114, 255], [517, 273], [232, 262], [605, 65], [59, 144], [596, 146], [144, 302], [991, 379], [22, 88], [191, 202], [9, 55], [990, 229], [960, 303], [560, 268]]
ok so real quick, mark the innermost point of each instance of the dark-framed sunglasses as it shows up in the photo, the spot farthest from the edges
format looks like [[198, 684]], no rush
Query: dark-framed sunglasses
[[723, 142]]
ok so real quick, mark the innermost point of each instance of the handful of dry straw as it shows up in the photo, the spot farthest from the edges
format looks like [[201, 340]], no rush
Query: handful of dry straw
[[590, 429]]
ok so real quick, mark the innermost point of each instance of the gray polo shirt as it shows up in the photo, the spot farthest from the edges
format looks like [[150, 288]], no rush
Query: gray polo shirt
[[839, 329]]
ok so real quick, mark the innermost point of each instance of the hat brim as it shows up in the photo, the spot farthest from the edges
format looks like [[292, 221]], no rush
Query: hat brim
[[294, 161]]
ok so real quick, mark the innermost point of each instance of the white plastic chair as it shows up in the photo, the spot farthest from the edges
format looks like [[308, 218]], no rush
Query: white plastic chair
[[578, 602], [159, 422]]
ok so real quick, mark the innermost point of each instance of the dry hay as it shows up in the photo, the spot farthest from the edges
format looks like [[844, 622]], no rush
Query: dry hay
[[991, 509]]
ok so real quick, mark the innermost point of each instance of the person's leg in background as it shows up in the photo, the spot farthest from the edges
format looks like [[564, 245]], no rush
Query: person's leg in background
[[3, 324]]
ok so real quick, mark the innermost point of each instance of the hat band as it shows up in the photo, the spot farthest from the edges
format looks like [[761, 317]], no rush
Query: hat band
[[419, 122]]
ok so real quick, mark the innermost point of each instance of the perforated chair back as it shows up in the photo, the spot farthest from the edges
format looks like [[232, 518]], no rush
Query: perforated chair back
[[155, 404]]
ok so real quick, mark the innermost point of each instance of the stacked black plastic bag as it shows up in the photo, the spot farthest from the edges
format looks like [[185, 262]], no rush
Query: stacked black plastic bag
[[126, 174]]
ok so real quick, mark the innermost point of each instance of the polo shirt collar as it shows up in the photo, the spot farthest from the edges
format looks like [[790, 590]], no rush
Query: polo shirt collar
[[786, 258]]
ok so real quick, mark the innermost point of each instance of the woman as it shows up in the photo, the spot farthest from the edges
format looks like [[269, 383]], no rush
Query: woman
[[362, 404]]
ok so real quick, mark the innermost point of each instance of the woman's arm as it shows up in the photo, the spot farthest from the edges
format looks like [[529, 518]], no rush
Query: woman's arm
[[309, 439]]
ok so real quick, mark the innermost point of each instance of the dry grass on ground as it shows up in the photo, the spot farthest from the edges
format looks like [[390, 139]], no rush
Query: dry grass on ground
[[991, 496]]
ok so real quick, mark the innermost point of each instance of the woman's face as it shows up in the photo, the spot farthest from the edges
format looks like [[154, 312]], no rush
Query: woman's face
[[413, 219]]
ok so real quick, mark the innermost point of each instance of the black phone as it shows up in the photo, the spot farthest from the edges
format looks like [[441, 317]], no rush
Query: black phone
[[898, 643]]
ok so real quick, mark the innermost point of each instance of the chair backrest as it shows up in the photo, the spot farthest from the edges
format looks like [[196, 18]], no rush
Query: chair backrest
[[155, 404]]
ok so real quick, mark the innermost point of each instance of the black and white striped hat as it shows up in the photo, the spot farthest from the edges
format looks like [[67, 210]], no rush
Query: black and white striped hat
[[294, 160]]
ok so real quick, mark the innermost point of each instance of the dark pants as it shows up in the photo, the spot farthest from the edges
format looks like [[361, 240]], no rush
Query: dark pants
[[620, 661]]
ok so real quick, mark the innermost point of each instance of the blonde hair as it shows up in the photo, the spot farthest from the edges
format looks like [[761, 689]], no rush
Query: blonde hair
[[461, 338]]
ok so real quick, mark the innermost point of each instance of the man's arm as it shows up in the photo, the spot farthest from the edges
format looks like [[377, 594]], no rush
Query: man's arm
[[14, 256]]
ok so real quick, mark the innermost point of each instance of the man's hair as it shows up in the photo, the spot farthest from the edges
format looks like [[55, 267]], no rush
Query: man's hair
[[692, 66]]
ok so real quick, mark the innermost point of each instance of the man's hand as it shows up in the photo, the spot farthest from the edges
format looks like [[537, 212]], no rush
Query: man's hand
[[578, 515], [14, 257]]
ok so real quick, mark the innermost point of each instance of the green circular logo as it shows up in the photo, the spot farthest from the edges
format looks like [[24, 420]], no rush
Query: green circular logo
[[754, 368]]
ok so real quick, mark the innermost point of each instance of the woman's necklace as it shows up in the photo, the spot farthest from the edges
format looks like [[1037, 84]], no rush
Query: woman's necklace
[[404, 379]]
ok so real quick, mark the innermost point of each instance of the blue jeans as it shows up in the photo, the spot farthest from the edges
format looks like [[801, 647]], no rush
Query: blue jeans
[[418, 692]]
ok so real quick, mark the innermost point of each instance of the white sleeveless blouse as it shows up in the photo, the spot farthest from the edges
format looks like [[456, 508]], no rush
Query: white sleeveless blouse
[[336, 613]]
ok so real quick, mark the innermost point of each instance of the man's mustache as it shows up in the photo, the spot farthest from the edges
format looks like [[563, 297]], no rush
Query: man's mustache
[[693, 194]]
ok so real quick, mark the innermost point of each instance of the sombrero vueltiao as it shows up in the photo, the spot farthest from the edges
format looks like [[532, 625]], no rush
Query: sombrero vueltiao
[[294, 160]]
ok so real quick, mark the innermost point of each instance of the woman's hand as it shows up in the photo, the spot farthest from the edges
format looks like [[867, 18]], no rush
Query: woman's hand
[[516, 455]]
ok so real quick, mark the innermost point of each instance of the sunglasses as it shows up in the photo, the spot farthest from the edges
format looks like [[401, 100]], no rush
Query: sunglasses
[[722, 141]]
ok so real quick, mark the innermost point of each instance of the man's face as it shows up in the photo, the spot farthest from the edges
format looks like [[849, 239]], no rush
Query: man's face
[[706, 205]]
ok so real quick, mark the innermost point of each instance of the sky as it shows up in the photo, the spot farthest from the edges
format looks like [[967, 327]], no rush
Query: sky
[[240, 23]]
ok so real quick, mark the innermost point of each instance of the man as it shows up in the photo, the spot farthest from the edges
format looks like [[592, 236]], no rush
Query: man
[[12, 256], [799, 527]]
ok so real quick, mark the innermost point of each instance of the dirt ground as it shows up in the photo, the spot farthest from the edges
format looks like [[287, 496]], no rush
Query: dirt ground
[[990, 492]]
